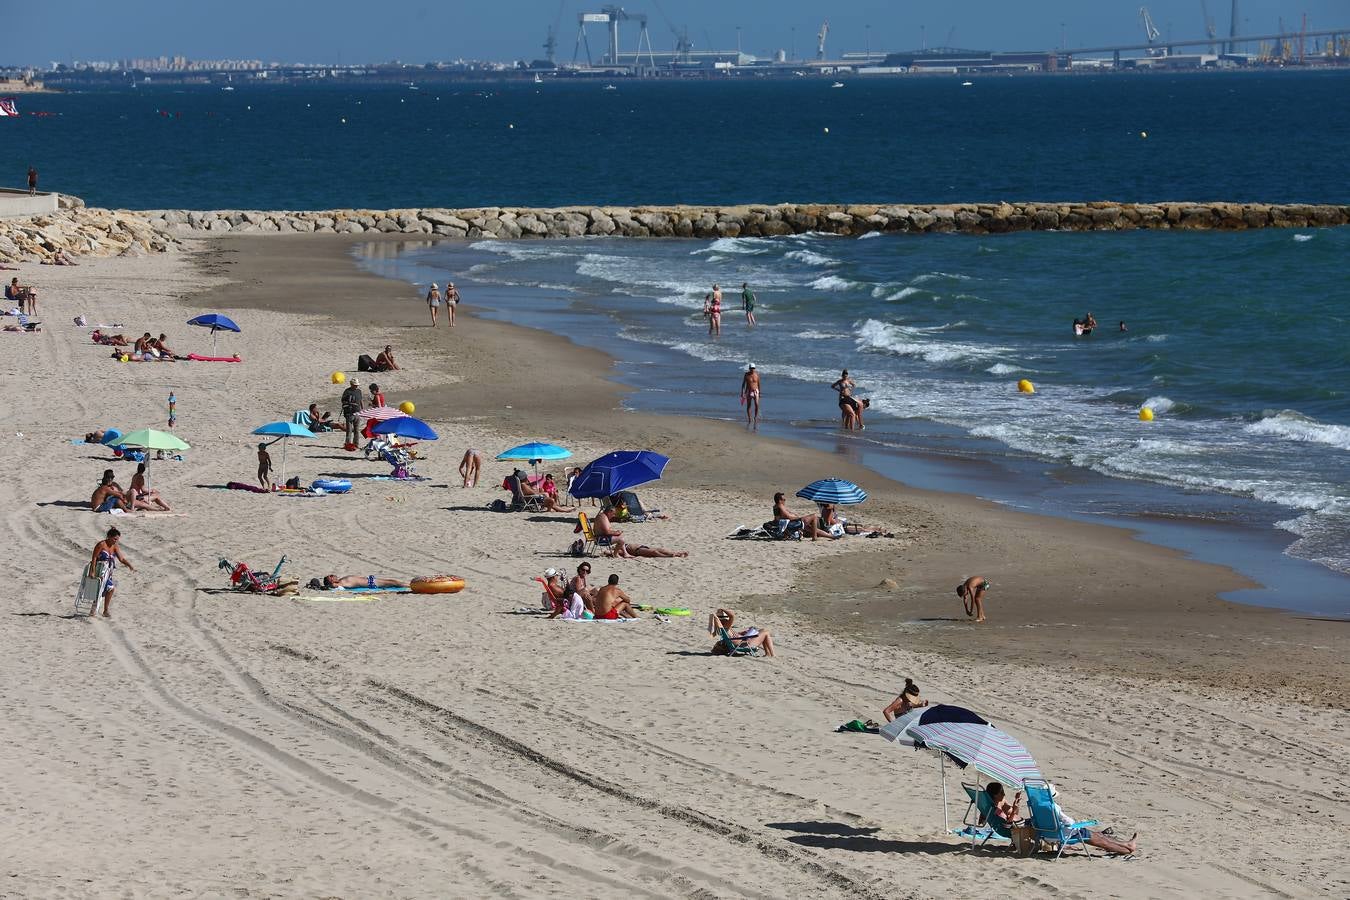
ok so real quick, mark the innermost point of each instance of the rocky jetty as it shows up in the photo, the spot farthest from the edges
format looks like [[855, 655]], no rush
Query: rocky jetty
[[96, 232]]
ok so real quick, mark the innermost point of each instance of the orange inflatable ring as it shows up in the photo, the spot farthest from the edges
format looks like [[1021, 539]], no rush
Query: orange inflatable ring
[[437, 584]]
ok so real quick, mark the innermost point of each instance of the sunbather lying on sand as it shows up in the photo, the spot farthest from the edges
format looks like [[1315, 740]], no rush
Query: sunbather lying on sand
[[746, 637], [342, 582], [643, 550], [112, 340], [837, 526]]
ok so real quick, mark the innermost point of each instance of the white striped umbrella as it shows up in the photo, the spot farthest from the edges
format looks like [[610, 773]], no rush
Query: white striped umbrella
[[956, 733], [381, 413]]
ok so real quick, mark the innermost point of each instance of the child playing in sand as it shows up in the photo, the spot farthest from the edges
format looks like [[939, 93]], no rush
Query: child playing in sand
[[265, 468], [971, 591]]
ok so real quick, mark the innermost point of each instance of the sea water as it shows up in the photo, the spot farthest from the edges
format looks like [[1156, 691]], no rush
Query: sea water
[[1235, 341]]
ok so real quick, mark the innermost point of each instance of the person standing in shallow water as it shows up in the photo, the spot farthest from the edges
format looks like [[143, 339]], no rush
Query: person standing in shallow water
[[748, 304], [434, 303], [32, 180], [750, 395]]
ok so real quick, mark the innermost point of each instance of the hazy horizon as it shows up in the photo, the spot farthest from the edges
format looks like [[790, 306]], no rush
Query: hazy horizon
[[416, 31]]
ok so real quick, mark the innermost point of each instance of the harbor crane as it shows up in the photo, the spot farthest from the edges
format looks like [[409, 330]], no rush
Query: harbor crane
[[611, 16], [1151, 32], [820, 39], [1210, 30]]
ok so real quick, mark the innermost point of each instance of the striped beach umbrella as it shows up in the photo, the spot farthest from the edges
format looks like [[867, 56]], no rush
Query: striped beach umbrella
[[956, 733], [381, 413], [833, 490]]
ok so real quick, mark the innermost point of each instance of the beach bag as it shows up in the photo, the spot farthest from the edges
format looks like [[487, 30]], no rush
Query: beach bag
[[1024, 839], [499, 506], [364, 363], [578, 547]]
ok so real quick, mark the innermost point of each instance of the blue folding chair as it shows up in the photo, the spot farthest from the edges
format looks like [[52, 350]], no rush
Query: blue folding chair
[[1049, 827], [733, 648], [983, 826]]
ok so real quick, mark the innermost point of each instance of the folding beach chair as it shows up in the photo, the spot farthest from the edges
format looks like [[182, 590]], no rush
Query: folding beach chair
[[91, 589], [593, 543], [733, 648], [1046, 821], [979, 823]]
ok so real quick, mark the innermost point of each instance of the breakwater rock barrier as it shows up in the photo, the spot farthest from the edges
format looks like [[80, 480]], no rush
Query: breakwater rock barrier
[[78, 230]]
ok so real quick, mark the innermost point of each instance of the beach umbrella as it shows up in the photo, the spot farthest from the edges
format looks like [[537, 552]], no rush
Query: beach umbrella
[[833, 490], [956, 733], [150, 439], [534, 452], [285, 431], [381, 413], [216, 322], [618, 471], [406, 426]]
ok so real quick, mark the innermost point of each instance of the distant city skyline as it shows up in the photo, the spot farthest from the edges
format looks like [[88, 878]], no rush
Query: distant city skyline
[[420, 31]]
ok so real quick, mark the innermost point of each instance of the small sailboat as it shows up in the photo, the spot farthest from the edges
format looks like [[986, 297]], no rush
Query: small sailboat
[[537, 79], [967, 83], [837, 84], [610, 87]]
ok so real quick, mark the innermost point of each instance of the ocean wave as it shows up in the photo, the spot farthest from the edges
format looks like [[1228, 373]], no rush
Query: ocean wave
[[832, 283], [938, 276], [520, 250], [909, 341], [811, 258], [1293, 426], [870, 234], [1002, 369], [1156, 338], [818, 335], [901, 294], [1158, 404], [1303, 237], [741, 246]]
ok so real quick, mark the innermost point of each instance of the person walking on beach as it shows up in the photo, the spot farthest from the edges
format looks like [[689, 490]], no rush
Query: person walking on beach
[[32, 181], [750, 395], [434, 303], [972, 591], [265, 468], [109, 552], [352, 404], [748, 304], [451, 301]]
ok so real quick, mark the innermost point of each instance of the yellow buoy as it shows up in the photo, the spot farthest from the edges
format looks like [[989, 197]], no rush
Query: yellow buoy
[[1145, 415], [338, 378], [1026, 387], [407, 407]]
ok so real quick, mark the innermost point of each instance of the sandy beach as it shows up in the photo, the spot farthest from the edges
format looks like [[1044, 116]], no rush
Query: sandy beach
[[209, 743]]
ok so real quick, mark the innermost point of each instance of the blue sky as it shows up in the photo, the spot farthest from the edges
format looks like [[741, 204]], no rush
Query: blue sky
[[416, 31]]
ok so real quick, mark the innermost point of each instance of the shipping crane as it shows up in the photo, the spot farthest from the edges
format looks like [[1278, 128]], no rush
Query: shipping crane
[[1151, 32], [820, 39], [611, 16], [1210, 30], [551, 43]]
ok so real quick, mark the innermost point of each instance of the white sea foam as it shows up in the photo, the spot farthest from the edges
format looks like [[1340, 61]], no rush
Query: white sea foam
[[811, 258], [901, 294], [1159, 404], [1002, 369], [870, 234], [1303, 237], [832, 283], [1156, 338], [818, 335], [939, 276], [741, 246], [909, 341], [1292, 426]]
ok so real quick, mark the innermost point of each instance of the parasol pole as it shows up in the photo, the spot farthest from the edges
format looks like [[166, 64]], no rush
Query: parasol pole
[[942, 764], [285, 442], [213, 343]]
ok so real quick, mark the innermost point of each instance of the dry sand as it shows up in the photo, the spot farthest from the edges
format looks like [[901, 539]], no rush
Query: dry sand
[[213, 743]]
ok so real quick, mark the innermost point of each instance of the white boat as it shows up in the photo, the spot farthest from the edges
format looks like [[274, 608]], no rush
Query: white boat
[[228, 88], [537, 79], [610, 87], [837, 84], [967, 83]]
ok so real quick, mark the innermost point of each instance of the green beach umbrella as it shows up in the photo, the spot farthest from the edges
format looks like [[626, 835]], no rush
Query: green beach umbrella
[[150, 439]]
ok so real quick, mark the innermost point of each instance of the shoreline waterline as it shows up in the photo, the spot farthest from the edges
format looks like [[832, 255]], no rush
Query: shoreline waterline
[[1236, 532]]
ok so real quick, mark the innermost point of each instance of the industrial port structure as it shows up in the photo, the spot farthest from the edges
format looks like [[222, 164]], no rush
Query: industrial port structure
[[1282, 47]]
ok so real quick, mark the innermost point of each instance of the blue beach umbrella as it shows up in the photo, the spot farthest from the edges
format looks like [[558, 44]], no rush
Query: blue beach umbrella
[[285, 431], [618, 471], [216, 322], [406, 426], [534, 452], [833, 490]]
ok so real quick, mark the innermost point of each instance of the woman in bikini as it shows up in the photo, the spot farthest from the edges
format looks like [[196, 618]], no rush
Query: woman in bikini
[[469, 466], [746, 637], [715, 312], [434, 303], [109, 552], [908, 700], [141, 492], [848, 405], [972, 591]]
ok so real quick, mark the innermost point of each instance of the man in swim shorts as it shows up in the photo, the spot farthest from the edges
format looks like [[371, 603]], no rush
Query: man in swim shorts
[[343, 582], [972, 591], [108, 495], [612, 603], [750, 395], [748, 304]]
